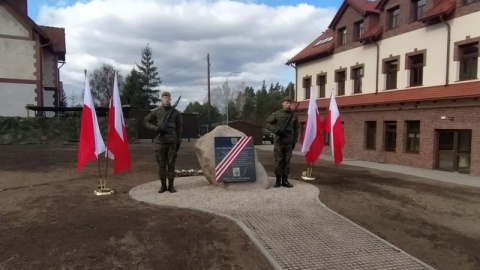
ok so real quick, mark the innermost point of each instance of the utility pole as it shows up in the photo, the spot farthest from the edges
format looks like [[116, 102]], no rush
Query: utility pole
[[208, 82], [228, 91]]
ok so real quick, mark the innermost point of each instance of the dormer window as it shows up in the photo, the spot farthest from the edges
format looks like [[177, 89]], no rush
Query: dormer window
[[342, 36], [418, 9], [393, 17], [359, 29]]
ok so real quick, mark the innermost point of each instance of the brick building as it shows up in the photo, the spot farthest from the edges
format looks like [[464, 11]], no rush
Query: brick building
[[405, 76]]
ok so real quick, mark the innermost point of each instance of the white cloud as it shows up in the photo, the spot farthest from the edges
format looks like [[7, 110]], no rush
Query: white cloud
[[251, 38]]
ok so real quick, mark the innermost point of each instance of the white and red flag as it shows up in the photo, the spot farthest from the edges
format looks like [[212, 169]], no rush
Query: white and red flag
[[117, 140], [91, 143], [312, 139], [333, 124]]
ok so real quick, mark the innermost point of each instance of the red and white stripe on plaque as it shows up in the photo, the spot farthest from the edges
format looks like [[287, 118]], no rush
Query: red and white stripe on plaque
[[222, 167]]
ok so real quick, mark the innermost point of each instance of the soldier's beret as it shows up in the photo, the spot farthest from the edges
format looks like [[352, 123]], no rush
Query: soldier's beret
[[166, 94], [287, 98]]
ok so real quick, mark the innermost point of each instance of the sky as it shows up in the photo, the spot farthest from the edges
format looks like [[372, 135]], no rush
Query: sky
[[249, 41]]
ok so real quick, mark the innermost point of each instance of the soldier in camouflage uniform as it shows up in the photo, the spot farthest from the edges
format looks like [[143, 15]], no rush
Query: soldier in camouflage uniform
[[168, 140], [284, 123]]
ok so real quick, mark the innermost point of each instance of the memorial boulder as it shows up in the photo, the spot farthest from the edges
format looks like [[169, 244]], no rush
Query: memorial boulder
[[209, 156]]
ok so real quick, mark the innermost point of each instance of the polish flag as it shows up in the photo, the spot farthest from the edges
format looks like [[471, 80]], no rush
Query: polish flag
[[91, 143], [312, 139], [117, 140], [333, 124]]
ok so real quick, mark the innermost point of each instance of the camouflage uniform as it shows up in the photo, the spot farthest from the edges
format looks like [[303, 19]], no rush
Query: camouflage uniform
[[286, 136], [168, 142]]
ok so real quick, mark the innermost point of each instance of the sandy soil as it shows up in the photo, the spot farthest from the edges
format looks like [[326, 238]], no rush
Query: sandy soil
[[51, 219]]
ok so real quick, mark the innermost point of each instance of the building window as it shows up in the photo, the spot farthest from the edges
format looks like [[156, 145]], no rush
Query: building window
[[391, 68], [468, 61], [391, 136], [394, 17], [370, 134], [418, 9], [307, 83], [357, 75], [467, 2], [322, 83], [413, 136], [359, 28], [342, 36], [340, 78], [416, 69]]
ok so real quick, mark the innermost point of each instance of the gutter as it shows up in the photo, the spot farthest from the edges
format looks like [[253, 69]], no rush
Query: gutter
[[58, 86], [378, 58], [447, 72], [296, 80]]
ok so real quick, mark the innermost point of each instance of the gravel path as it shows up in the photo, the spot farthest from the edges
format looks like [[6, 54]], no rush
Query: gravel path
[[291, 227]]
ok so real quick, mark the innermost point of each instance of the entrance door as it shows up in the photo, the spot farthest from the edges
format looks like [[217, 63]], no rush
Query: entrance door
[[454, 148]]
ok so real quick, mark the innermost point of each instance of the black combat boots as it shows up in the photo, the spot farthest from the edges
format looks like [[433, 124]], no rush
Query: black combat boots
[[285, 182], [163, 188], [278, 181], [170, 185]]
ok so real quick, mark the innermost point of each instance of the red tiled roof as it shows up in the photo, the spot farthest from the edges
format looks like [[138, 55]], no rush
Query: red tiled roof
[[362, 6], [373, 32], [439, 92], [443, 8], [365, 6], [311, 50]]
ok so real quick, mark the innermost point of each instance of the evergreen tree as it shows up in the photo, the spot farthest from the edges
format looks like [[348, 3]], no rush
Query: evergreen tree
[[248, 105], [262, 109], [149, 74], [132, 92]]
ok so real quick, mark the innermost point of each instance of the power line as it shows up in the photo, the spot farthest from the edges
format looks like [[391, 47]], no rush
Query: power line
[[194, 61], [182, 68]]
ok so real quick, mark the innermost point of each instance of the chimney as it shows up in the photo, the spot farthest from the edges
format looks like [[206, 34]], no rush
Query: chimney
[[20, 5]]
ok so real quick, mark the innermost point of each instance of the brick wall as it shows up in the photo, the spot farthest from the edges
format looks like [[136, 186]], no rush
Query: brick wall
[[351, 16], [463, 118]]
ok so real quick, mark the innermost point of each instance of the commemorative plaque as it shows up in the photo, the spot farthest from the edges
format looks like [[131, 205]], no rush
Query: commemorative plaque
[[234, 159]]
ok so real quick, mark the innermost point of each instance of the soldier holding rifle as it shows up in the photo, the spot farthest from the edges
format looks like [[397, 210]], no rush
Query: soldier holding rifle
[[167, 123], [284, 123]]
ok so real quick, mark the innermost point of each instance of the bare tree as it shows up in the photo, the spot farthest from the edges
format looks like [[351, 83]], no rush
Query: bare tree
[[101, 84], [221, 96], [72, 99]]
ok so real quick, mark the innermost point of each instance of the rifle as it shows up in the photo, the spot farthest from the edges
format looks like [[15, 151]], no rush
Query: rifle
[[288, 120], [170, 112]]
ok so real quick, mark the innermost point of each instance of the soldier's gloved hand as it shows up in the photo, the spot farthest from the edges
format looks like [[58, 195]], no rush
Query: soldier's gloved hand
[[161, 130], [280, 133]]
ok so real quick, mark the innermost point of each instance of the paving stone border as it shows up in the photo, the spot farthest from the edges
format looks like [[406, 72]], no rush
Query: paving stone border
[[290, 226]]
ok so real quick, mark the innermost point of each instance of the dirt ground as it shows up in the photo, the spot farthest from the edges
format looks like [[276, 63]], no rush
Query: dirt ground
[[50, 219]]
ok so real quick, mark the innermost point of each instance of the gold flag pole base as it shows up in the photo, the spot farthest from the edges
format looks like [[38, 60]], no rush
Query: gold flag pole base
[[102, 189], [307, 175]]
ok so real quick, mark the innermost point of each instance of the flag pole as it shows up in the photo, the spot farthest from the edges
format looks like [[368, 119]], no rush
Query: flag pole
[[307, 174], [103, 190], [98, 160], [108, 132]]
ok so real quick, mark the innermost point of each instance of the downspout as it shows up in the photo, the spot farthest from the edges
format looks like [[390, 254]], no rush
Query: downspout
[[447, 72], [58, 86], [296, 80], [41, 68], [378, 58]]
